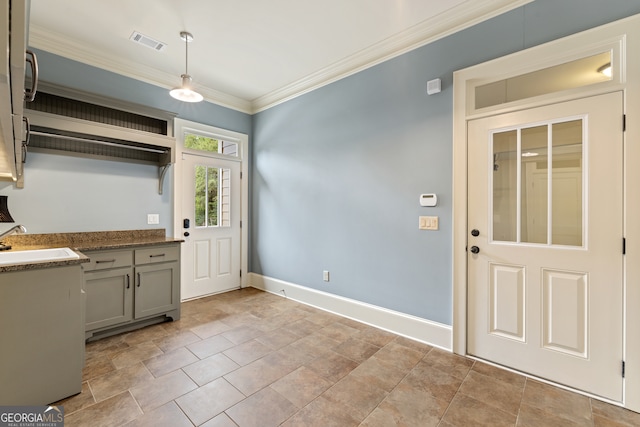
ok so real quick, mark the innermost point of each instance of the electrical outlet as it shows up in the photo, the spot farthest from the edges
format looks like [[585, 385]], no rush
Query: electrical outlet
[[153, 218], [325, 275]]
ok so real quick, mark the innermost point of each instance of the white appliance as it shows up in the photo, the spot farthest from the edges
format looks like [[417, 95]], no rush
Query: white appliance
[[13, 61]]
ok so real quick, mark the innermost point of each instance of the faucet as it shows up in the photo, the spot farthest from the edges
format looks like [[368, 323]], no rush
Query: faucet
[[18, 229]]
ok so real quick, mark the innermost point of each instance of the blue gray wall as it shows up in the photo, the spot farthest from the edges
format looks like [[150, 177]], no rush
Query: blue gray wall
[[337, 172], [64, 193]]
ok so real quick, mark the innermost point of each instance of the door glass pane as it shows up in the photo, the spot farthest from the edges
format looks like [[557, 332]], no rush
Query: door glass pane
[[212, 196], [206, 197], [534, 186], [505, 197], [567, 185]]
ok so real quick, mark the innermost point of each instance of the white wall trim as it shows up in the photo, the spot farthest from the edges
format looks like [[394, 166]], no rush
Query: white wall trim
[[416, 328]]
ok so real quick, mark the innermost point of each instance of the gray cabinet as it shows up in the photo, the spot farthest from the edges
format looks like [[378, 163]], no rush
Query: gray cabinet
[[132, 288], [40, 335]]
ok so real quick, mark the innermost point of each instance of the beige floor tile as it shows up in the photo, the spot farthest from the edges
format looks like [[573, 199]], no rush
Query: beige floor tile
[[210, 329], [614, 413], [116, 382], [361, 397], [241, 334], [211, 368], [135, 354], [433, 381], [465, 411], [265, 408], [177, 340], [168, 414], [210, 346], [332, 366], [553, 400], [322, 413], [493, 392], [170, 361], [156, 393], [379, 374], [530, 416], [301, 386], [408, 406], [397, 355], [305, 367], [79, 401], [247, 352], [375, 336], [115, 411], [356, 350], [277, 338], [206, 402], [452, 364], [221, 420]]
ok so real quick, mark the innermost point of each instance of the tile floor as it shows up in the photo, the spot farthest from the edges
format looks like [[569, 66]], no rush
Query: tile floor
[[249, 358]]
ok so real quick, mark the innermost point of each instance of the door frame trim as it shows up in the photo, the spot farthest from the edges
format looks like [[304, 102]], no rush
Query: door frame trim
[[181, 125], [624, 33]]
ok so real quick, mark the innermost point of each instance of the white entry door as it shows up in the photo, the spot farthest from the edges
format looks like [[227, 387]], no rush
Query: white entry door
[[545, 242], [211, 218]]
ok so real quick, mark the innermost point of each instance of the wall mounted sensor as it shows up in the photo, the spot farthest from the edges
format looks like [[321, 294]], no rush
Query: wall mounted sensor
[[428, 199], [434, 86]]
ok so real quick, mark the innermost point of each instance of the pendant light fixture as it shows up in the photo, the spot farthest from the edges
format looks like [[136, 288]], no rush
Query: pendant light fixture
[[185, 92]]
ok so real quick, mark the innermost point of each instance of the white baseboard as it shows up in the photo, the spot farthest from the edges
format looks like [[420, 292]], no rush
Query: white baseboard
[[426, 331]]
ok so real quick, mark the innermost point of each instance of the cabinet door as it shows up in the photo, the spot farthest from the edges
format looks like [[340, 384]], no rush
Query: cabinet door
[[157, 289], [109, 294]]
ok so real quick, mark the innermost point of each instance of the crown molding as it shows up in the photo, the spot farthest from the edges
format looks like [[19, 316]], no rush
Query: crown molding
[[460, 17], [57, 44]]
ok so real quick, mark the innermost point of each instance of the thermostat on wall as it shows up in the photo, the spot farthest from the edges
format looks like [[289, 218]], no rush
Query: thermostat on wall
[[428, 199]]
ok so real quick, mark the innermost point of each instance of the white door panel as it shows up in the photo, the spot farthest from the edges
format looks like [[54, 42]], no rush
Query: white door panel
[[211, 203], [545, 286]]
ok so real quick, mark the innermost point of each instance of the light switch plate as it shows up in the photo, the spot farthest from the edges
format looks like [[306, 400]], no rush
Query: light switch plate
[[153, 218], [428, 223]]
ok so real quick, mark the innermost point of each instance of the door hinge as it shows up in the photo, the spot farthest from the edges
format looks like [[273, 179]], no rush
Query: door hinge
[[623, 368], [624, 122], [241, 175], [240, 224], [240, 273], [624, 246]]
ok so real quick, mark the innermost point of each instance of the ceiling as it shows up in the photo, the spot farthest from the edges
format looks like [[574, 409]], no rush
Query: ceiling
[[248, 54]]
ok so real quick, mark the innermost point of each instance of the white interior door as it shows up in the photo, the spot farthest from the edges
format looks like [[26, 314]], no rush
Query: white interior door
[[545, 285], [211, 205]]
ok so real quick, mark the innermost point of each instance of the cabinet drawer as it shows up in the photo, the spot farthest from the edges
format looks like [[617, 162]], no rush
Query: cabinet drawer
[[101, 260], [157, 254]]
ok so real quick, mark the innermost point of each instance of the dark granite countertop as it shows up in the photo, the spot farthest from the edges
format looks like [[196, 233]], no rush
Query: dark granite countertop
[[82, 241]]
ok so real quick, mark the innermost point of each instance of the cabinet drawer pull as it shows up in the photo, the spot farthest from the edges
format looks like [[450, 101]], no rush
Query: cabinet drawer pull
[[128, 281], [139, 280], [104, 261], [155, 256]]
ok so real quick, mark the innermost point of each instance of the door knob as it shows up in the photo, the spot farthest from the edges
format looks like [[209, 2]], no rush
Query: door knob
[[475, 233], [475, 249], [186, 234]]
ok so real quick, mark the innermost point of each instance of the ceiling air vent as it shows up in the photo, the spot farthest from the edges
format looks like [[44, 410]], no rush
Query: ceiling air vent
[[147, 41]]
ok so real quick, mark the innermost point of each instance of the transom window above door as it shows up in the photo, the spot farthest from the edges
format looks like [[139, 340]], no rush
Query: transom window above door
[[211, 145]]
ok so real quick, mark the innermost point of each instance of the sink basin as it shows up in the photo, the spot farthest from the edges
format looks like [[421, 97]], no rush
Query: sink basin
[[38, 255]]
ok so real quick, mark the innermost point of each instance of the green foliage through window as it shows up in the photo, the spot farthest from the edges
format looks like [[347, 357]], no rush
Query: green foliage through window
[[199, 142], [206, 214]]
